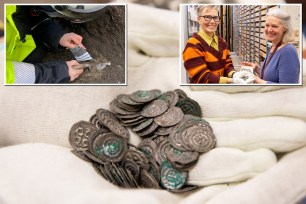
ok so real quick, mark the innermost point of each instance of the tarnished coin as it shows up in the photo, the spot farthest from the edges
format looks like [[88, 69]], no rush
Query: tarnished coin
[[114, 125], [103, 114], [148, 147], [154, 169], [172, 178], [148, 130], [175, 139], [200, 139], [184, 158], [124, 98], [148, 180], [181, 93], [131, 116], [155, 108], [189, 106], [142, 125], [109, 147], [160, 153], [116, 109], [164, 130], [129, 108], [132, 167], [81, 155], [171, 117], [93, 157], [96, 122], [186, 188], [93, 136], [171, 96], [138, 157], [145, 96], [79, 134]]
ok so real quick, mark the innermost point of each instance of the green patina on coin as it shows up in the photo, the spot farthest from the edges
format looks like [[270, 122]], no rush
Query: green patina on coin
[[111, 149], [172, 178]]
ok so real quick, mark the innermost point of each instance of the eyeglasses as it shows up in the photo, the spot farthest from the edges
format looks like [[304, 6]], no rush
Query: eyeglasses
[[209, 17]]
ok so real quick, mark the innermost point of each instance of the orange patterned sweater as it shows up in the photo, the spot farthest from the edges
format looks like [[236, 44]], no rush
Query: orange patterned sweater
[[205, 64]]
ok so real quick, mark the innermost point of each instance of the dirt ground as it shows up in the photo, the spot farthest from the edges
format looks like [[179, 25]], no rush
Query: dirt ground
[[104, 39]]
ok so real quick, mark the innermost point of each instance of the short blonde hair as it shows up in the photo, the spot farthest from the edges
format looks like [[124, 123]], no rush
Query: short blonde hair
[[206, 7], [285, 21]]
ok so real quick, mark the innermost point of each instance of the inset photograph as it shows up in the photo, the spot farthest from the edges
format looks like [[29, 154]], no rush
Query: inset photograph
[[65, 44], [241, 44]]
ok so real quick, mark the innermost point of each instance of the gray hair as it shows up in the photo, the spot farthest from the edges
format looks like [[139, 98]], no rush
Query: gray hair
[[206, 7], [285, 21]]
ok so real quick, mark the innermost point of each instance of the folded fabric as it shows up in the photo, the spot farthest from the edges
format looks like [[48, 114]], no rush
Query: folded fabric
[[285, 102], [282, 184], [226, 165], [42, 173], [280, 134]]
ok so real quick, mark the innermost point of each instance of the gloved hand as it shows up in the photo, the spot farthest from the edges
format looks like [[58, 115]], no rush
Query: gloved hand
[[243, 77]]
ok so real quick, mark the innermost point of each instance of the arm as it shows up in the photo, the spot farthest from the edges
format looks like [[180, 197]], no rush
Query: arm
[[56, 72], [288, 66], [195, 64]]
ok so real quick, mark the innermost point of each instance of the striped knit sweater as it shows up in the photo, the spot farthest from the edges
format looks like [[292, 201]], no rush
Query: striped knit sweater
[[205, 64]]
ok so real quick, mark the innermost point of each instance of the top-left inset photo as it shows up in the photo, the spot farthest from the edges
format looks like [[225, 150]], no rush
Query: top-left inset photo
[[65, 44]]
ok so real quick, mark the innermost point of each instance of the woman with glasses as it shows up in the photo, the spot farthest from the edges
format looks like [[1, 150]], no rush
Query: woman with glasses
[[281, 65], [206, 55]]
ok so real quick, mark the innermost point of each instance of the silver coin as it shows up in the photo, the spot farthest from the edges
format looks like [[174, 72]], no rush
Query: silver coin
[[189, 106], [109, 147], [172, 178], [145, 96], [138, 157], [142, 125], [155, 108], [160, 155], [116, 109], [200, 139], [171, 117], [132, 167], [115, 126], [148, 147], [181, 157], [180, 93], [93, 157], [148, 180], [171, 96], [186, 188], [81, 155], [150, 129], [175, 139], [164, 130], [124, 98], [79, 134], [96, 122]]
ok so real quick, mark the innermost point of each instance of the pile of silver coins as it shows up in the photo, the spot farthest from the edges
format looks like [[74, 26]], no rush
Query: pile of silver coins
[[173, 131]]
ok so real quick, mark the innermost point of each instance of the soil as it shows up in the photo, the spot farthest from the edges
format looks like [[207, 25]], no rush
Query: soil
[[104, 39]]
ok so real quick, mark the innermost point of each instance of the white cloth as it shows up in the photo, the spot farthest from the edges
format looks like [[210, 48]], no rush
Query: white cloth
[[46, 114]]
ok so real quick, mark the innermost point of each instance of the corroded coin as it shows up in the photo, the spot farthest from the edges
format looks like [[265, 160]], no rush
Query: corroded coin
[[171, 117], [154, 169], [79, 134], [164, 130], [116, 127], [142, 125], [93, 157], [160, 153], [155, 108], [148, 180], [93, 136], [171, 96], [124, 98], [109, 147], [132, 167], [116, 109], [138, 157], [103, 114], [186, 188], [185, 158], [181, 93], [200, 138], [189, 106], [95, 121], [130, 116], [145, 96], [172, 178], [148, 130], [148, 147], [175, 139]]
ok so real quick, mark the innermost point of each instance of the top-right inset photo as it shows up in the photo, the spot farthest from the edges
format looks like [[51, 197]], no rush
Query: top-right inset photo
[[241, 44]]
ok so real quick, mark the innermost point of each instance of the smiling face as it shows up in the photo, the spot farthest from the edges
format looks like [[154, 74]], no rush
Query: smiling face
[[209, 27], [274, 29]]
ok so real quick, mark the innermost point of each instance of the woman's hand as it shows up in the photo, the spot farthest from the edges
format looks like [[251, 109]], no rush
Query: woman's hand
[[259, 80], [254, 65]]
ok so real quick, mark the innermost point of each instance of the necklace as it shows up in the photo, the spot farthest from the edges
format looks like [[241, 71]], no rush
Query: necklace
[[270, 57]]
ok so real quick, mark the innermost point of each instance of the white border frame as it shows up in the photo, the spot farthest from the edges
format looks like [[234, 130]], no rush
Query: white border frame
[[70, 84], [278, 4]]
